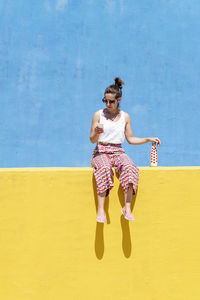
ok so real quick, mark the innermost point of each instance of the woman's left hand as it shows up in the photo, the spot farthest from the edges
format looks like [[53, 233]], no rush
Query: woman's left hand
[[155, 140]]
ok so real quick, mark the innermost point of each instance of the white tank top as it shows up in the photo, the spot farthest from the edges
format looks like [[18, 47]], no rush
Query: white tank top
[[114, 132]]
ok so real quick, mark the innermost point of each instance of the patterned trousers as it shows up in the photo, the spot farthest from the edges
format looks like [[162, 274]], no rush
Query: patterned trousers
[[107, 156]]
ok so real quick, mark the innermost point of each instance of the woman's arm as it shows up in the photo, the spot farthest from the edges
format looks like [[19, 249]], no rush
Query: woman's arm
[[137, 140], [95, 131]]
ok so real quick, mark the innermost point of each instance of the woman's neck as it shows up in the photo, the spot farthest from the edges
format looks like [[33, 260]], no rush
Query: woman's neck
[[111, 115], [112, 112]]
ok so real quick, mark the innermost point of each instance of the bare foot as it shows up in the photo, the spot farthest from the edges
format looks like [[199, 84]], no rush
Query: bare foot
[[101, 217], [127, 214]]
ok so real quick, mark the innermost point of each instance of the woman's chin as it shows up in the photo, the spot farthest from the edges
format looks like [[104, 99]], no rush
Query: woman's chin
[[110, 109]]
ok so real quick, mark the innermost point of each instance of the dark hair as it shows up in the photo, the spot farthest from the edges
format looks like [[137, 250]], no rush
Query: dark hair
[[115, 88]]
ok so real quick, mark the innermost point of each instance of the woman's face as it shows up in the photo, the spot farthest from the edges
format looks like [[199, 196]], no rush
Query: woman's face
[[112, 102]]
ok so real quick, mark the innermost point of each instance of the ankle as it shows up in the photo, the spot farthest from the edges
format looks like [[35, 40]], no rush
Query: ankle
[[127, 206], [100, 211]]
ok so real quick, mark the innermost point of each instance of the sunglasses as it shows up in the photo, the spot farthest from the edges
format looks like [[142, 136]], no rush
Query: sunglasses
[[108, 101]]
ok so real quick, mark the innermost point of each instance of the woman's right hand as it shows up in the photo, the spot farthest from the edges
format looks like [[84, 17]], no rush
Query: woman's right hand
[[95, 129], [98, 130]]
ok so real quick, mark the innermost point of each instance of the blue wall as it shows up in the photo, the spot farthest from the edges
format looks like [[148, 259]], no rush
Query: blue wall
[[58, 56]]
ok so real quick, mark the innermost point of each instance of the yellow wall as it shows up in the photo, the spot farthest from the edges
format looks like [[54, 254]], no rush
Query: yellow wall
[[51, 247]]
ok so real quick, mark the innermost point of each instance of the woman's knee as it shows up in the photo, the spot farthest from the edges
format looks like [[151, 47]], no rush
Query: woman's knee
[[126, 167], [105, 168]]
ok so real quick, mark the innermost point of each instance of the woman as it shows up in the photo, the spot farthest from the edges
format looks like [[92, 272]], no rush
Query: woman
[[109, 128]]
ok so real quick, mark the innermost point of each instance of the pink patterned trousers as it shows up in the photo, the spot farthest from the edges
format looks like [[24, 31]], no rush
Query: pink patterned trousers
[[107, 156]]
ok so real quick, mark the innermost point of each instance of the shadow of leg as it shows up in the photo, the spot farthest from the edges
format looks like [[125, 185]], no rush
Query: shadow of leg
[[99, 241], [99, 238], [126, 236]]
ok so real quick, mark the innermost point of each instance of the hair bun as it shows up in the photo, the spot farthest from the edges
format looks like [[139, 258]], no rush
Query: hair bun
[[118, 82]]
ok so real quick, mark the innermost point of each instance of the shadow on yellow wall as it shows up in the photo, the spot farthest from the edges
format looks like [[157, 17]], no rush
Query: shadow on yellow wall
[[126, 236]]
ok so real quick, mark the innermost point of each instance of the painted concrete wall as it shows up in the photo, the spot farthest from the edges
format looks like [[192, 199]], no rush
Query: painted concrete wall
[[57, 57], [52, 248]]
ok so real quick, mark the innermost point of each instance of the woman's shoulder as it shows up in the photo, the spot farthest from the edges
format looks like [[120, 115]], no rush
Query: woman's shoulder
[[98, 111], [97, 114], [124, 113], [126, 116]]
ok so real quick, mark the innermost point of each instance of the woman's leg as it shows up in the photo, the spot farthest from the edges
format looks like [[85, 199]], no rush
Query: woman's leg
[[100, 212], [129, 174], [103, 174], [127, 208]]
